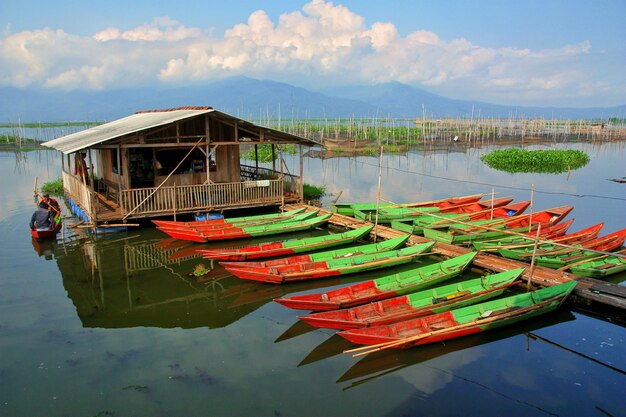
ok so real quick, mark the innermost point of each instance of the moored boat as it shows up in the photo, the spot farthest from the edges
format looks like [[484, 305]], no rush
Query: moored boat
[[386, 286], [467, 233], [385, 245], [449, 217], [600, 266], [332, 267], [549, 232], [249, 231], [244, 219], [369, 213], [462, 321], [432, 301], [210, 227], [526, 245], [286, 247]]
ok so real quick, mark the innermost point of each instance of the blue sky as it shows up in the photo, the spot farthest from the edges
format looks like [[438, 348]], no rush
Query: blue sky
[[553, 53]]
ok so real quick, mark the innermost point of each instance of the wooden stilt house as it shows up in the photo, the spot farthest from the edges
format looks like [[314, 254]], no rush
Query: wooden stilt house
[[174, 161]]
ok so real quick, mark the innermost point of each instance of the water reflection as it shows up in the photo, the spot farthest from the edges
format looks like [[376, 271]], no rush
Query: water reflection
[[383, 363]]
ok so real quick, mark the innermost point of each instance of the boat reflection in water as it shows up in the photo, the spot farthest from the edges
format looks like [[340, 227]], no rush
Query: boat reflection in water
[[386, 362], [143, 279], [44, 247]]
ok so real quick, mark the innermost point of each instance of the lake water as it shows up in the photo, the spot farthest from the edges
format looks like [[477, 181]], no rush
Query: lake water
[[115, 326]]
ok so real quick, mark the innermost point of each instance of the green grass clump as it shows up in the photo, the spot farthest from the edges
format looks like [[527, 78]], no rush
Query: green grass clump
[[53, 187], [313, 192], [552, 161]]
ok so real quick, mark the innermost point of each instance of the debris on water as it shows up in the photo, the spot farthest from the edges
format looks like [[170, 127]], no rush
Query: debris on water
[[139, 388], [621, 180], [200, 270]]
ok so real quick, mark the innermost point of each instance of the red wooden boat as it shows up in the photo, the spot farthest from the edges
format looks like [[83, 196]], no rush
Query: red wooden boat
[[461, 321], [384, 245], [234, 220], [386, 286], [46, 233], [332, 267], [422, 303], [286, 247]]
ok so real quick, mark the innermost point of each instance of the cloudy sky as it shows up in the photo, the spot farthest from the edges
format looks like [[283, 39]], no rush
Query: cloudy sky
[[530, 52]]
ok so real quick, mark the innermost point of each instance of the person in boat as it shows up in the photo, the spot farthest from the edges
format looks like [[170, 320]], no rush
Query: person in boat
[[42, 218], [53, 206]]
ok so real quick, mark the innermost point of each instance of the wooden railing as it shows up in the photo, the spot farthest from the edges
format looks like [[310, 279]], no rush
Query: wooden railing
[[189, 198], [79, 192], [250, 173]]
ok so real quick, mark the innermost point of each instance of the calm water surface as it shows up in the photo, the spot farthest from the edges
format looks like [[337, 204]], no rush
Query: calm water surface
[[115, 326]]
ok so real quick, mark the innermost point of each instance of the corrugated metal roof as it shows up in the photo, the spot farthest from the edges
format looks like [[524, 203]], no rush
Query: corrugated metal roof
[[149, 119], [131, 124]]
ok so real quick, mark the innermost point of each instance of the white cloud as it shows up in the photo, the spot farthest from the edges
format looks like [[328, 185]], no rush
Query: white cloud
[[319, 46]]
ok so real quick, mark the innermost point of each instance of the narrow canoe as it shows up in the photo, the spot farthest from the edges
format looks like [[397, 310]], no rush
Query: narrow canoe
[[369, 214], [381, 246], [387, 286], [286, 247], [332, 267], [244, 219], [210, 227], [444, 220], [252, 231], [463, 321], [46, 233], [606, 243], [600, 268], [524, 253], [549, 232], [525, 250], [475, 231], [347, 209], [423, 303]]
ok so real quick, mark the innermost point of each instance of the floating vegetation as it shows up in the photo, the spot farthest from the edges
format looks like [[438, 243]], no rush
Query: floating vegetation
[[53, 187], [552, 161]]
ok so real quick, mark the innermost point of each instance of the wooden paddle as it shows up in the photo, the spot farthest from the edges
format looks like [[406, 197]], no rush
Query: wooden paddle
[[366, 350]]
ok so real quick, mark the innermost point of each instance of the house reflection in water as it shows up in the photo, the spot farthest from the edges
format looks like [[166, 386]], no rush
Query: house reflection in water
[[147, 281]]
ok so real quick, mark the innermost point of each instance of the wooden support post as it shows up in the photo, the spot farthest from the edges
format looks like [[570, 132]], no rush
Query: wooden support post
[[301, 191], [380, 173], [175, 198]]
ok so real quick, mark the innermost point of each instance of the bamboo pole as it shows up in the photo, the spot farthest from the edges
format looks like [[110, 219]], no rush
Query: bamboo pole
[[493, 191], [532, 262], [380, 172], [532, 205]]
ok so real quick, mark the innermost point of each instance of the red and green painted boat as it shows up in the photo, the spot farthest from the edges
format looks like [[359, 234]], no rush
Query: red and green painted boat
[[332, 267], [462, 321], [286, 247], [467, 233], [369, 213], [444, 220], [601, 266], [406, 214], [385, 245], [423, 303], [233, 220], [387, 286], [247, 231], [347, 209], [208, 227], [527, 245], [47, 233], [568, 256], [549, 232]]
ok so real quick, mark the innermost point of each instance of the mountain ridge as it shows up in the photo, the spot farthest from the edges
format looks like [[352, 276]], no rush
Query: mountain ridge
[[262, 99]]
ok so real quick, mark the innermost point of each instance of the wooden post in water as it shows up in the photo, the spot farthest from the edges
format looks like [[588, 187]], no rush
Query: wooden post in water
[[532, 261], [380, 173], [532, 204]]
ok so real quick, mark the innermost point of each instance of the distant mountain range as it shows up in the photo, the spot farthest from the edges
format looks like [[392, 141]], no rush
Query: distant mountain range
[[256, 99]]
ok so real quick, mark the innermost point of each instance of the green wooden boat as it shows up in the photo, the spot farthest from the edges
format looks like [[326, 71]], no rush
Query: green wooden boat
[[423, 303], [462, 321], [382, 246], [332, 267], [550, 232], [387, 214], [387, 286], [600, 268]]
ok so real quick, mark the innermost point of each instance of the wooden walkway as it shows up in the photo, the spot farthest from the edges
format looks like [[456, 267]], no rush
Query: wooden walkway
[[589, 291]]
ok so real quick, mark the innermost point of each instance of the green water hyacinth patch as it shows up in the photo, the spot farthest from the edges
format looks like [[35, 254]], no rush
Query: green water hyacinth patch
[[552, 161]]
